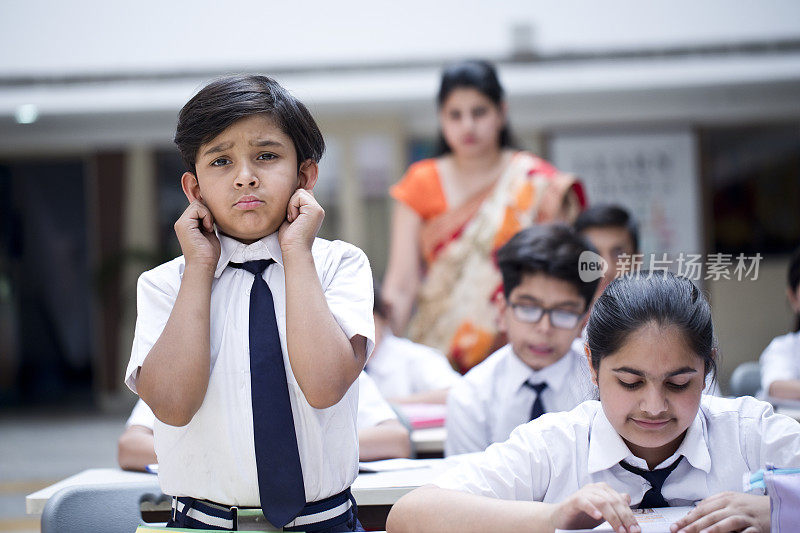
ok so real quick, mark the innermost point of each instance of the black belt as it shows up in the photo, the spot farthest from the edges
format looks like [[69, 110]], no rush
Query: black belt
[[322, 514]]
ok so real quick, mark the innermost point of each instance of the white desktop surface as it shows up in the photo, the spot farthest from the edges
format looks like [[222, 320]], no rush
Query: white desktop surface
[[379, 488]]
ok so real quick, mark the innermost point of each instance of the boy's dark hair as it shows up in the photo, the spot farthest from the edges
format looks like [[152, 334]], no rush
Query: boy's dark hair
[[551, 249], [794, 279], [225, 100], [635, 300], [472, 74], [608, 216]]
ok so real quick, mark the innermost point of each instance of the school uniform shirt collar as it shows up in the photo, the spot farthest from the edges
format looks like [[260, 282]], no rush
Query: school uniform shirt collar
[[554, 375], [606, 447], [695, 445], [232, 250]]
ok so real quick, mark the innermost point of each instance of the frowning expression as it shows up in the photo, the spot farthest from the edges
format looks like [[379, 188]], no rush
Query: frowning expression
[[246, 175]]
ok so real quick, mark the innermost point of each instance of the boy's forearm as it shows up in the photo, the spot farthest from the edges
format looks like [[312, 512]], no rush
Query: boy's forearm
[[174, 376], [384, 441], [136, 449], [323, 359], [434, 509]]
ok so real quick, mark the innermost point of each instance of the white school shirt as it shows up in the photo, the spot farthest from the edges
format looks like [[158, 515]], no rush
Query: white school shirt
[[552, 457], [401, 367], [213, 457], [372, 408], [780, 360], [491, 399]]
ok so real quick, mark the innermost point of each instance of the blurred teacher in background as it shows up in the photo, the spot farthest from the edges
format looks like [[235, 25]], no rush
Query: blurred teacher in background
[[454, 211]]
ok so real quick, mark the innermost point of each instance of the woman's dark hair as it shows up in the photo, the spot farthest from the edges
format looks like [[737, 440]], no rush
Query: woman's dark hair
[[608, 216], [225, 100], [550, 249], [472, 74], [794, 279], [632, 301]]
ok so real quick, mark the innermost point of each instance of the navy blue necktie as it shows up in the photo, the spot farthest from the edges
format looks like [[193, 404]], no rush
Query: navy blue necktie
[[538, 407], [280, 476], [656, 478]]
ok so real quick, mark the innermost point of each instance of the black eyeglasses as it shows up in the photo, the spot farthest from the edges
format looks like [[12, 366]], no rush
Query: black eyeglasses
[[559, 318]]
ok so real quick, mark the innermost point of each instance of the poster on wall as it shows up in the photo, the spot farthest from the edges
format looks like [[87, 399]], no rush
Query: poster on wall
[[653, 174]]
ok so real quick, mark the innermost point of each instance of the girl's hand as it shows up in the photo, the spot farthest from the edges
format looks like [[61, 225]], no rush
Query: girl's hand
[[303, 219], [591, 505], [727, 511], [195, 231]]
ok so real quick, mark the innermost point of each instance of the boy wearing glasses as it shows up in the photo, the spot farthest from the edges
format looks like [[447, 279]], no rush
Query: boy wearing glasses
[[542, 309]]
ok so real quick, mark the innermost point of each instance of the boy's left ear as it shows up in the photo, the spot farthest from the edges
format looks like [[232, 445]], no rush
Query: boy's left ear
[[307, 175]]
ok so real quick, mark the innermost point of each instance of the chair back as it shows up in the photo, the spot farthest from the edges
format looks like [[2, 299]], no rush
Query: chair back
[[746, 379], [108, 507]]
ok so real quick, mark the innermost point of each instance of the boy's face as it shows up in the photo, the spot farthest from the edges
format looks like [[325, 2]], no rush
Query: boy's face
[[611, 242], [540, 344], [246, 175]]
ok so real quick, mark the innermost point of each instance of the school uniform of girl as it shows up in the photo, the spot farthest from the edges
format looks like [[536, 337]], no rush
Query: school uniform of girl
[[780, 360], [213, 456], [552, 457]]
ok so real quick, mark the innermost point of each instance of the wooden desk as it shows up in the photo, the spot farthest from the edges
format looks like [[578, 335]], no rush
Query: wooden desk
[[375, 493]]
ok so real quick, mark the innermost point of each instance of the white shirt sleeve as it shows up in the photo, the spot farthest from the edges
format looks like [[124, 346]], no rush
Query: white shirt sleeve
[[348, 291], [467, 427], [768, 437], [779, 361], [156, 292], [372, 407], [141, 415]]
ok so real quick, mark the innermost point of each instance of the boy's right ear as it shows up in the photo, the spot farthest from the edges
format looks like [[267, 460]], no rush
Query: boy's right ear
[[588, 352], [500, 304], [191, 187]]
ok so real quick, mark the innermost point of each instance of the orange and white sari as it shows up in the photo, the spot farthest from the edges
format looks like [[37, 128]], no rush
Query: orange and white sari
[[454, 308]]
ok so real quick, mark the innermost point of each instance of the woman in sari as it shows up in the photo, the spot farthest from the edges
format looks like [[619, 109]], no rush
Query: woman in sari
[[454, 211]]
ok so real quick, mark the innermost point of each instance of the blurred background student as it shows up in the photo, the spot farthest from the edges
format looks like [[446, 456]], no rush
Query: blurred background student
[[406, 371], [613, 231], [780, 362], [454, 211]]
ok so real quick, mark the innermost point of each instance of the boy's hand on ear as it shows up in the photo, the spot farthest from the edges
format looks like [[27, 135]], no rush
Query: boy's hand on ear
[[195, 231], [303, 219]]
